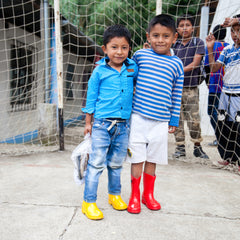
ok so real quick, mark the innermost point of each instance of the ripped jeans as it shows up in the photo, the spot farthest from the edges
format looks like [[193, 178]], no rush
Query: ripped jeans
[[109, 149]]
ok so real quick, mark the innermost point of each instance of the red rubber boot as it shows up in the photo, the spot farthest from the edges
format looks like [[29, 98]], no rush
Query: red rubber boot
[[134, 205], [147, 197]]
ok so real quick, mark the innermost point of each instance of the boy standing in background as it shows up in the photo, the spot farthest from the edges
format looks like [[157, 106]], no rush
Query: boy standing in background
[[215, 79], [229, 103], [191, 51]]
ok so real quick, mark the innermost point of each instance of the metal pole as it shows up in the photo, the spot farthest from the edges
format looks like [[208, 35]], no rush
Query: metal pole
[[46, 39], [158, 7], [59, 59], [204, 22]]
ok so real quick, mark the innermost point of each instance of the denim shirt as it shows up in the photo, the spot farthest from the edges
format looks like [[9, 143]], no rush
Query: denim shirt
[[110, 92]]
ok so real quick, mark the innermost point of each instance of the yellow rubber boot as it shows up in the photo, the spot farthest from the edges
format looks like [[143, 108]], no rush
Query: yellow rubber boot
[[91, 211], [117, 202]]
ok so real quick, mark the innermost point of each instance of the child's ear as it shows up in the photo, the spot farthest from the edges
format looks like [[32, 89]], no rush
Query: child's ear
[[175, 37], [103, 48], [148, 37]]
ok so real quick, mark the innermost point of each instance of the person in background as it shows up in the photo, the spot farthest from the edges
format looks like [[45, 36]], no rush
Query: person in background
[[216, 78], [229, 103], [109, 99], [191, 51], [156, 109]]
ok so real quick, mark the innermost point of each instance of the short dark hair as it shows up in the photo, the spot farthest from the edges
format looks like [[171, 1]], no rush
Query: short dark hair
[[219, 32], [164, 20], [237, 16], [116, 30], [185, 17]]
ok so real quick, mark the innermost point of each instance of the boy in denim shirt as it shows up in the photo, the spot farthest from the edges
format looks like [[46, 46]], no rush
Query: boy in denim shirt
[[109, 99]]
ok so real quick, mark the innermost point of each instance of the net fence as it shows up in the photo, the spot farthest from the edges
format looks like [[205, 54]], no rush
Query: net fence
[[28, 70]]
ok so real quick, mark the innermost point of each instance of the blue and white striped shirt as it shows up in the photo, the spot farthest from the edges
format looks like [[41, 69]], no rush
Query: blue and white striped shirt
[[159, 86], [230, 58]]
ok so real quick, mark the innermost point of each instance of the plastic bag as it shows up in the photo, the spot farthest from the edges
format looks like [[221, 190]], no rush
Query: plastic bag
[[80, 157]]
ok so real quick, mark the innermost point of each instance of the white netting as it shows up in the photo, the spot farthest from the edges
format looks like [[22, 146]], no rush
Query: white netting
[[29, 96]]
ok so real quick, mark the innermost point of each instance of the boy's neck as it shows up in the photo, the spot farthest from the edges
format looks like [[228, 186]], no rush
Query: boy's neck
[[186, 40], [116, 67]]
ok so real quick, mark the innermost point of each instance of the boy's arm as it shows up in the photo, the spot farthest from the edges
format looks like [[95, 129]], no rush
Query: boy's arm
[[214, 66], [92, 96], [194, 64], [176, 98], [88, 124], [228, 22], [171, 129]]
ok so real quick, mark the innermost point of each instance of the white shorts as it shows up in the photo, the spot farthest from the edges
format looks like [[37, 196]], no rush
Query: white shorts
[[148, 140]]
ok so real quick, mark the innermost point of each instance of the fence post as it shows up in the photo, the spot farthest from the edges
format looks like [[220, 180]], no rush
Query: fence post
[[158, 7], [59, 59]]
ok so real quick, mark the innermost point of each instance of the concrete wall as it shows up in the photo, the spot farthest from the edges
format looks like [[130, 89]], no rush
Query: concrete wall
[[15, 123]]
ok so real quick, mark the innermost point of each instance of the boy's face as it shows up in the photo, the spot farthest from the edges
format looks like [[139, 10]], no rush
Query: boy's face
[[161, 39], [185, 29], [117, 50], [235, 34]]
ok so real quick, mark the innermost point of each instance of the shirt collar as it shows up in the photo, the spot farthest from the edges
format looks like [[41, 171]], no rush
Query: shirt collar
[[105, 60]]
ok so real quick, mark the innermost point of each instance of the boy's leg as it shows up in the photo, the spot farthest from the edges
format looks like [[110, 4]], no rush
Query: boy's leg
[[157, 152], [179, 133], [194, 122], [148, 187], [96, 164], [194, 117], [150, 168], [136, 169], [137, 157], [213, 101], [97, 160], [115, 157], [134, 205], [211, 110]]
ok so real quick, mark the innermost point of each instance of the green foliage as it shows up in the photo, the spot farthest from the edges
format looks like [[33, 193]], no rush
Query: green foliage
[[179, 7], [132, 14], [92, 17]]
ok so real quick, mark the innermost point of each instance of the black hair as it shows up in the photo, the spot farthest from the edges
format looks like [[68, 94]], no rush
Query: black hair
[[185, 17], [219, 32], [116, 31], [164, 20], [236, 16]]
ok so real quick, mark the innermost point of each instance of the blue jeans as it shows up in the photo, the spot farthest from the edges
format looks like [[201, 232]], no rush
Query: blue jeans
[[109, 149]]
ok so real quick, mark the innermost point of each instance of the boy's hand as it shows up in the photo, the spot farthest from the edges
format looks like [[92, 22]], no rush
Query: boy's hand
[[210, 40], [146, 45], [171, 129], [88, 129], [88, 124], [228, 22]]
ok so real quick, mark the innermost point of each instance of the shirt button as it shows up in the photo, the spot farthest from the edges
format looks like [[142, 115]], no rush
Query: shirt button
[[122, 90], [121, 108]]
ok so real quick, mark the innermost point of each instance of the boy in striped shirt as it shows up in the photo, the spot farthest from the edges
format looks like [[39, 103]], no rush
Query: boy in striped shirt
[[156, 109], [229, 103]]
